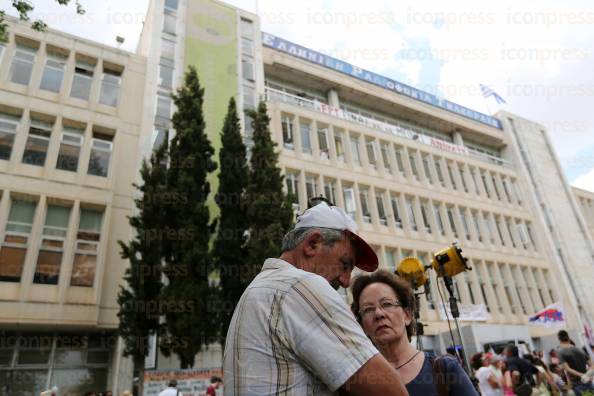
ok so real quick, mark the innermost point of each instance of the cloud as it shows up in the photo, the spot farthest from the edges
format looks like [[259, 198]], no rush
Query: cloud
[[585, 181]]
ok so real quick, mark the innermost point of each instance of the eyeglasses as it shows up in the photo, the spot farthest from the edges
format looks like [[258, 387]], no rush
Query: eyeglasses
[[386, 305]]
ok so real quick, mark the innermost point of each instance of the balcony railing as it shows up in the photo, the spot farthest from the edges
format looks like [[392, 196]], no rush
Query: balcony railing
[[274, 95]]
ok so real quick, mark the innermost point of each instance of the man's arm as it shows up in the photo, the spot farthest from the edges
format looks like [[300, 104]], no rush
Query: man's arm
[[375, 378], [571, 371]]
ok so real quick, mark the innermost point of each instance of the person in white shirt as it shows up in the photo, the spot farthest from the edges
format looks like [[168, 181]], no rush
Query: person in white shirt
[[292, 333], [488, 376], [171, 390]]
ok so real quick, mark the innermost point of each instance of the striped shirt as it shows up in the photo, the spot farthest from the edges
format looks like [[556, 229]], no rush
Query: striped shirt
[[292, 334]]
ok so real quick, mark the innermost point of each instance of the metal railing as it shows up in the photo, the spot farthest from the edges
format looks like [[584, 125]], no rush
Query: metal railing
[[275, 95]]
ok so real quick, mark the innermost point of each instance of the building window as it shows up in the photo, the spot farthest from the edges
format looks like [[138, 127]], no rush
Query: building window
[[475, 220], [161, 135], [473, 176], [323, 142], [371, 153], [439, 173], [511, 234], [396, 211], [517, 192], [82, 80], [287, 125], [450, 211], [37, 143], [438, 220], [168, 49], [411, 214], [247, 28], [355, 150], [166, 73], [484, 294], [498, 226], [399, 163], [463, 179], [495, 187], [171, 5], [53, 72], [247, 70], [247, 46], [310, 187], [530, 235], [76, 363], [70, 144], [452, 179], [249, 97], [169, 23], [425, 217], [381, 210], [87, 246], [329, 191], [489, 227], [8, 129], [16, 239], [101, 147], [364, 197], [349, 202], [292, 180], [484, 178], [385, 149], [426, 169], [522, 231], [110, 87], [305, 132], [22, 64], [49, 258], [163, 108], [413, 166], [464, 222], [506, 190], [338, 144]]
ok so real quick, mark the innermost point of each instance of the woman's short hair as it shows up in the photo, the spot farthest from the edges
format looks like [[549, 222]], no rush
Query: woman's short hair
[[401, 288]]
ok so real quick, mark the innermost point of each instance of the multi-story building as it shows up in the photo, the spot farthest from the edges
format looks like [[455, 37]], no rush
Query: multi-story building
[[70, 114], [415, 171]]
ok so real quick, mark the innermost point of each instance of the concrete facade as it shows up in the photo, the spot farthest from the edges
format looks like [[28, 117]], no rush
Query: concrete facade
[[69, 133]]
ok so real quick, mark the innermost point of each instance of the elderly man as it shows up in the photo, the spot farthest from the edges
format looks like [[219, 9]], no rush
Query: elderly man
[[292, 333]]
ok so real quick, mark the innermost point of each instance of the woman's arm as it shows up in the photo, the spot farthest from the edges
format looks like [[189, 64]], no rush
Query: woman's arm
[[492, 380]]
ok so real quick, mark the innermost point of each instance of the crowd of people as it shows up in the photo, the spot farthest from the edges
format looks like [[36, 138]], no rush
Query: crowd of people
[[568, 372]]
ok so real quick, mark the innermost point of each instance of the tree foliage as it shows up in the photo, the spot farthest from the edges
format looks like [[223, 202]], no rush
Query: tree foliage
[[268, 208], [139, 299], [24, 8], [229, 246], [187, 296]]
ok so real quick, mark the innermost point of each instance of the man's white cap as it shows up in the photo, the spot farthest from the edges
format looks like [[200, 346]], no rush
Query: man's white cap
[[324, 216]]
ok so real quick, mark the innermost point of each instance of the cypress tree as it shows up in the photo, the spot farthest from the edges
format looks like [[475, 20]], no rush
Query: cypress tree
[[268, 208], [229, 246], [190, 324], [139, 298]]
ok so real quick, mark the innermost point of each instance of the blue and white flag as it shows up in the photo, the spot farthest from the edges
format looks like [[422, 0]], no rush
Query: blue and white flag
[[551, 315], [489, 92]]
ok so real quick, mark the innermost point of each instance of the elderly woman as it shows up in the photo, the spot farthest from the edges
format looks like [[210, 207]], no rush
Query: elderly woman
[[384, 305]]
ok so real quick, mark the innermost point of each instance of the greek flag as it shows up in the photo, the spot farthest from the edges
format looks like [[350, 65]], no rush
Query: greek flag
[[489, 92]]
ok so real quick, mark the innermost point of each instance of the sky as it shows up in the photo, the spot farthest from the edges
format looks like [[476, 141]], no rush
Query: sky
[[537, 55]]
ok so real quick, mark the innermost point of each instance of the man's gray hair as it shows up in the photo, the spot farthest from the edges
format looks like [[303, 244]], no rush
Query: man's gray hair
[[298, 235]]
